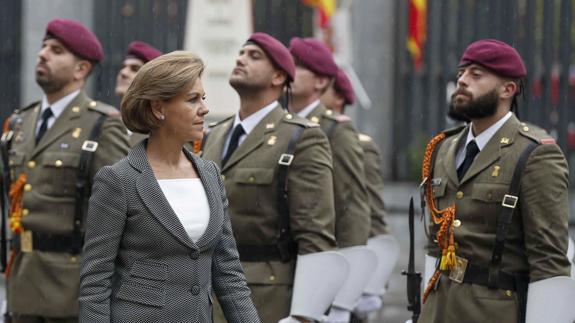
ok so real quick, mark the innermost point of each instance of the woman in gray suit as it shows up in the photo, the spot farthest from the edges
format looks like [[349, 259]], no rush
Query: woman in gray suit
[[158, 236]]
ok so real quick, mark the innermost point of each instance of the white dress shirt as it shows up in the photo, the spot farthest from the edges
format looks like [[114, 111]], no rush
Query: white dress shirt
[[57, 108], [482, 139], [248, 124], [188, 199]]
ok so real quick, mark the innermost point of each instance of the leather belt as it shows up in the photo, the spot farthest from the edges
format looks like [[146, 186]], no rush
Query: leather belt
[[28, 241], [260, 253], [479, 275]]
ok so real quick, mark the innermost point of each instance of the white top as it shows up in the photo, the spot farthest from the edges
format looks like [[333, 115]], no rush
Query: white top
[[307, 110], [188, 199], [248, 124], [57, 108], [482, 139]]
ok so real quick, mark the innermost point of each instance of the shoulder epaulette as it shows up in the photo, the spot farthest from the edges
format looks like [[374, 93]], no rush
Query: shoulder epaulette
[[453, 131], [302, 122], [31, 105], [337, 117], [216, 123], [536, 134], [104, 109], [364, 138]]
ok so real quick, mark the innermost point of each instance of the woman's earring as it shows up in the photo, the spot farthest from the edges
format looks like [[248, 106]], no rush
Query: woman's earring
[[162, 117]]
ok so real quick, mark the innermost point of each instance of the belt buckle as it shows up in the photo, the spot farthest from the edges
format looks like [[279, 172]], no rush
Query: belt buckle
[[509, 201], [26, 243], [458, 272]]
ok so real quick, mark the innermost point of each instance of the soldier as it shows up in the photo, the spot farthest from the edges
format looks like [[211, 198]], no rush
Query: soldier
[[339, 95], [139, 53], [57, 145], [276, 167], [497, 192], [315, 69]]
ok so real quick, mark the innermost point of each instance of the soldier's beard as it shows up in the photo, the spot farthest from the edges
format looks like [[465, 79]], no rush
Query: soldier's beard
[[476, 108], [50, 85]]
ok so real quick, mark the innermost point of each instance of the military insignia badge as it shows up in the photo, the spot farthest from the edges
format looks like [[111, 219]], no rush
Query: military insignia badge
[[272, 141], [76, 133], [495, 172]]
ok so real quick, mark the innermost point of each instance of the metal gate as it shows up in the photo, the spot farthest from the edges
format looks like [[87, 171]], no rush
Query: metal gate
[[541, 30]]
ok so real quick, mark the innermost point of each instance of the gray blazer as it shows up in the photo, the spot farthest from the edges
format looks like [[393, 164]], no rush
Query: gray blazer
[[140, 265]]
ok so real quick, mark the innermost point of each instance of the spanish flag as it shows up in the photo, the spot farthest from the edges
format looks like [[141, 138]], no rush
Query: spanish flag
[[417, 30], [326, 9]]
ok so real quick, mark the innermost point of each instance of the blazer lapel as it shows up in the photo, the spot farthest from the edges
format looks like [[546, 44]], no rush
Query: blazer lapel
[[211, 187], [492, 151], [153, 197], [255, 138], [62, 124], [449, 161]]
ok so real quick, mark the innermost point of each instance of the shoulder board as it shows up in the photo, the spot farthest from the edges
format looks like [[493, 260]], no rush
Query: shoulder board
[[302, 122], [215, 123], [339, 118], [453, 131], [31, 105], [104, 109], [535, 134], [364, 138]]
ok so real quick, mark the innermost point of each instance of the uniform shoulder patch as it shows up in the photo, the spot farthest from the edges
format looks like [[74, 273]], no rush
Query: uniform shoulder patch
[[216, 123], [364, 138], [104, 109]]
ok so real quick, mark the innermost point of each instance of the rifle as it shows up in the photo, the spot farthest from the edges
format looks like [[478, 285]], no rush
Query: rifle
[[5, 141], [413, 278]]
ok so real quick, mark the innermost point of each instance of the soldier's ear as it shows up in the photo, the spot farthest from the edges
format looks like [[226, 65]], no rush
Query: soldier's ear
[[322, 83], [508, 89], [279, 78], [82, 69]]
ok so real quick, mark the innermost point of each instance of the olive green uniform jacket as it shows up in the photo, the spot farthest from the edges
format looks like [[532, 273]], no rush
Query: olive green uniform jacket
[[352, 212], [537, 237], [250, 178], [374, 185], [46, 283]]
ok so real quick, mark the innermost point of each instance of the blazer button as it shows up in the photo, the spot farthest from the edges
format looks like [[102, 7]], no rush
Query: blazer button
[[195, 290], [194, 255]]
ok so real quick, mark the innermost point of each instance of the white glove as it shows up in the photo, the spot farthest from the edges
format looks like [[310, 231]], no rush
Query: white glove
[[337, 315], [367, 304]]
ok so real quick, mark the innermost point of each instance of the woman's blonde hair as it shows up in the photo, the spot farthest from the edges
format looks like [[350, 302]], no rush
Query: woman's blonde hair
[[160, 79]]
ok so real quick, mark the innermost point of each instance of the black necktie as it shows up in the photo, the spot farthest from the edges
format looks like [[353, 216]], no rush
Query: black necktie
[[470, 153], [234, 142], [46, 115]]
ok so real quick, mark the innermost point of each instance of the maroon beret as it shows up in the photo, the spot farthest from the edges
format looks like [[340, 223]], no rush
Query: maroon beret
[[77, 38], [343, 87], [495, 55], [276, 51], [143, 51], [314, 55]]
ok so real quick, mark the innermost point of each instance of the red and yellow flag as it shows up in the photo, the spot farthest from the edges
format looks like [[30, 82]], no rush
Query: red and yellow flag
[[417, 30], [326, 9]]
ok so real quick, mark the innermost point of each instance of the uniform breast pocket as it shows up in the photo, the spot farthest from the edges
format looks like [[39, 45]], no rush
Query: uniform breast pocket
[[248, 187], [59, 177], [487, 198]]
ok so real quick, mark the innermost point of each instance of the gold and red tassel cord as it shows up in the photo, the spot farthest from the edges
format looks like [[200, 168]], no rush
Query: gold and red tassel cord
[[444, 218]]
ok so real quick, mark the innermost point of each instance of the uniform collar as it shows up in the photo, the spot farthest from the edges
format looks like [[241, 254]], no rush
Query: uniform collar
[[58, 106], [307, 110], [254, 119]]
